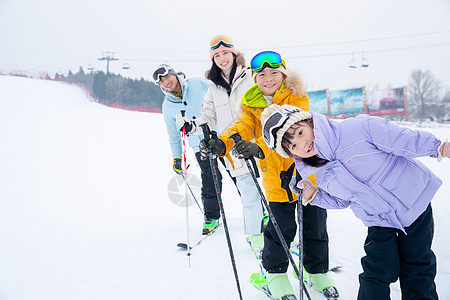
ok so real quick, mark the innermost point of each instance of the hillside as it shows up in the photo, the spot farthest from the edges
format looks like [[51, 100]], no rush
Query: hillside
[[85, 215]]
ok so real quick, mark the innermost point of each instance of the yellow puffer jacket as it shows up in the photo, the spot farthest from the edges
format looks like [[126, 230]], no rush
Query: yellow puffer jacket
[[249, 127]]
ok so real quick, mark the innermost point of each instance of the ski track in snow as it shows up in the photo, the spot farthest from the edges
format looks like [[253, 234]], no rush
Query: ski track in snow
[[84, 211]]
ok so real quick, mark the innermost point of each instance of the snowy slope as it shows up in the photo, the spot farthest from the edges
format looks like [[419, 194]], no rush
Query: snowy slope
[[85, 215]]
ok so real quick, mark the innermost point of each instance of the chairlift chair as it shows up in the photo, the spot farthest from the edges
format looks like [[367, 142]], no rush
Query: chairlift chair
[[352, 63], [364, 61], [126, 65]]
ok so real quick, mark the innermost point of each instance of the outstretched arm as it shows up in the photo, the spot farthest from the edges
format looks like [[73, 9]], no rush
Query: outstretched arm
[[402, 141]]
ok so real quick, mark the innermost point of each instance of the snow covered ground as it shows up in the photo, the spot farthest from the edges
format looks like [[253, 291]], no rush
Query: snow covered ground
[[85, 214]]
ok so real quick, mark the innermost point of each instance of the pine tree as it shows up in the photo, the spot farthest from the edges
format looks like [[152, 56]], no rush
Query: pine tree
[[99, 88]]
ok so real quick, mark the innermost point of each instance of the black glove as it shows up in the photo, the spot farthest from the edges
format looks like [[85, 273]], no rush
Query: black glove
[[182, 121], [214, 145], [177, 165], [246, 149]]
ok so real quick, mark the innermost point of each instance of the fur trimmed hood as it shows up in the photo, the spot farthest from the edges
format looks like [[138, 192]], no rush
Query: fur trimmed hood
[[295, 82], [240, 61]]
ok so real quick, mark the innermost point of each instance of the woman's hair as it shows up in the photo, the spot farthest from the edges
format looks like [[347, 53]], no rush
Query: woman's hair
[[215, 75], [314, 161]]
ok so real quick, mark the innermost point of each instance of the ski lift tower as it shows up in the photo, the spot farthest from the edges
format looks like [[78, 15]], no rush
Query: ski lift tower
[[108, 56]]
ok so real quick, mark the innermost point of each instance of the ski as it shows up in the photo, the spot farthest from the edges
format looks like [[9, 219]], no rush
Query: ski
[[330, 293], [334, 269], [259, 281], [184, 246], [258, 259]]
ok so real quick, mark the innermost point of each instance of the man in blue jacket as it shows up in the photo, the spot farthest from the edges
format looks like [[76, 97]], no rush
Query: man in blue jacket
[[187, 94]]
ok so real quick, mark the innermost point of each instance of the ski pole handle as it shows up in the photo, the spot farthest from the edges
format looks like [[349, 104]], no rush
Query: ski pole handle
[[183, 113], [236, 137], [206, 132]]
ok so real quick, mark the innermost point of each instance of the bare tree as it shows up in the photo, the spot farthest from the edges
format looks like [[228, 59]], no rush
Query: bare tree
[[446, 99], [424, 91]]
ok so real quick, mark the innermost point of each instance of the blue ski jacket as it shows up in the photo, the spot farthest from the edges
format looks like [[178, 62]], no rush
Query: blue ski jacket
[[193, 91]]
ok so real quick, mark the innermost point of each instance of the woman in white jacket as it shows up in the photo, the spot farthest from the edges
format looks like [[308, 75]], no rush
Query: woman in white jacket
[[221, 107]]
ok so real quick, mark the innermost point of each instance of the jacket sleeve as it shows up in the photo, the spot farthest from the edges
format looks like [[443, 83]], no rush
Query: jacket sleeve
[[327, 201], [208, 114], [245, 125], [401, 141], [336, 187], [174, 134]]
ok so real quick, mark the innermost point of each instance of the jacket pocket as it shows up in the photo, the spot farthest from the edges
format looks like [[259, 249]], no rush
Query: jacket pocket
[[405, 180]]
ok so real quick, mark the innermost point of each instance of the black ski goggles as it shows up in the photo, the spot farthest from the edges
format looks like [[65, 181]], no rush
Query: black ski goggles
[[162, 71], [273, 123]]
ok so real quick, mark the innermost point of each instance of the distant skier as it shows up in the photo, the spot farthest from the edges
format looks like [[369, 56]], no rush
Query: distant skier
[[231, 79], [369, 164], [187, 94]]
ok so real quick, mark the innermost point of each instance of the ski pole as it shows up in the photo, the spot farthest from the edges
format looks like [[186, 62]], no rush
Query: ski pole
[[192, 193], [198, 242], [206, 136], [236, 137], [300, 239], [183, 134], [183, 112], [299, 192]]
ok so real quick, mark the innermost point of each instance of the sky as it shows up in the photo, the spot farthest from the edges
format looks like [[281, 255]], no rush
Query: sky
[[85, 212], [316, 38]]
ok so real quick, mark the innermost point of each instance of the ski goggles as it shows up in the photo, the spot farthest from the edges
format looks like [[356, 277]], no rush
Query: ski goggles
[[266, 59], [274, 123], [162, 71], [220, 40]]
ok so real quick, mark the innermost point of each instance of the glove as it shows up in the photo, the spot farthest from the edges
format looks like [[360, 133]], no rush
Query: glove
[[182, 121], [309, 191], [444, 150], [214, 145], [177, 165], [246, 149]]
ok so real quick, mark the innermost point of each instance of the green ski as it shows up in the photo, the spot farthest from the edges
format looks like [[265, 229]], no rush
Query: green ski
[[259, 281]]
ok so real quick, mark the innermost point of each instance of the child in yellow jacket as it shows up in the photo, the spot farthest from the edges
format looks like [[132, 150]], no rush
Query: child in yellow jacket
[[274, 84]]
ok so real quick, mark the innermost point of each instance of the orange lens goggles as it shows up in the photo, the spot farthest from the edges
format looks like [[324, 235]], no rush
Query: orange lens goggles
[[220, 39]]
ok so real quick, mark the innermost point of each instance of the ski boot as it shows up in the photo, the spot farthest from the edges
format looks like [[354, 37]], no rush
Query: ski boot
[[209, 225], [322, 282], [257, 244], [279, 286]]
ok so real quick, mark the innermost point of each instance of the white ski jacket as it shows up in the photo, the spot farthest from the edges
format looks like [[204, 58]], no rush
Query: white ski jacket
[[222, 110]]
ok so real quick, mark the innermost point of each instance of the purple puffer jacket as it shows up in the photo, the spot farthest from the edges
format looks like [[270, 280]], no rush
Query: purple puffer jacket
[[372, 168]]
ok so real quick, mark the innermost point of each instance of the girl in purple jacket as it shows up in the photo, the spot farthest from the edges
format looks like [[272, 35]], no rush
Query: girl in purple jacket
[[368, 164]]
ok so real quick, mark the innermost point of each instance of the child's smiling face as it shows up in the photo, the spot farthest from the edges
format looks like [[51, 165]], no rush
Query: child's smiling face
[[302, 144], [269, 81]]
